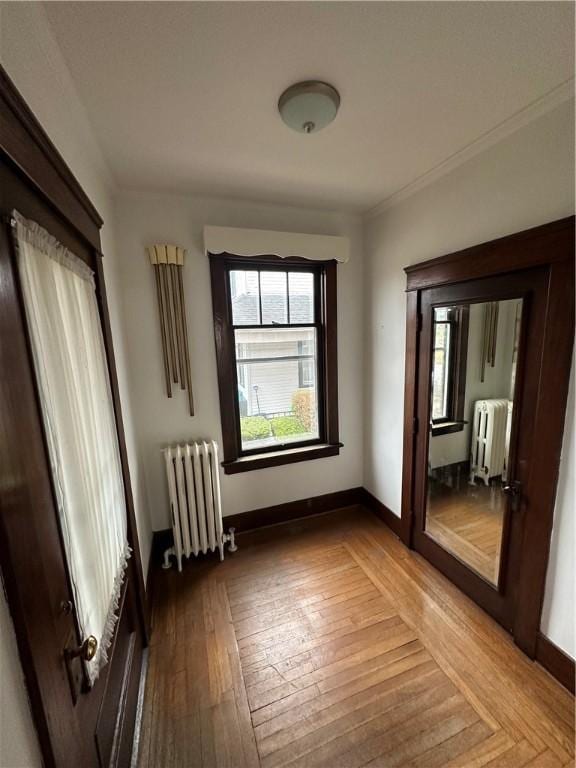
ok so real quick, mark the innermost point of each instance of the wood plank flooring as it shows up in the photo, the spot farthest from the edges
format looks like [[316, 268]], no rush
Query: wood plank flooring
[[328, 643], [468, 521]]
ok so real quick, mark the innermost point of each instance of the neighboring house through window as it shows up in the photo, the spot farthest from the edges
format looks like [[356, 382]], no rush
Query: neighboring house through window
[[305, 365], [275, 324]]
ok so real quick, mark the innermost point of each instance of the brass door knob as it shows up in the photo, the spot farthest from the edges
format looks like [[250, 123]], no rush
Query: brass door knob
[[86, 651]]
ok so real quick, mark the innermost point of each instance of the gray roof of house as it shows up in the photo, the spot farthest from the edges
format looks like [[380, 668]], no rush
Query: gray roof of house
[[245, 309]]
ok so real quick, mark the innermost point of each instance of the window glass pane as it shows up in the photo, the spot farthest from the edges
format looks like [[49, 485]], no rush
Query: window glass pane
[[244, 293], [277, 388], [440, 371], [257, 343], [301, 296], [274, 297]]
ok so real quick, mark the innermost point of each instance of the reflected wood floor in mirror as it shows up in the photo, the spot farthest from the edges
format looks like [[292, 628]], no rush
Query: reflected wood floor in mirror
[[468, 523], [327, 643]]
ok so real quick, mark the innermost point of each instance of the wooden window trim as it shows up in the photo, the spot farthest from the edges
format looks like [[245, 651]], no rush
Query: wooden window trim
[[328, 444], [458, 362], [447, 428]]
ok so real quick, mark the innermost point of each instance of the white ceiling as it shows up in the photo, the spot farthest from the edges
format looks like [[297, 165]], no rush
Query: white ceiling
[[182, 96]]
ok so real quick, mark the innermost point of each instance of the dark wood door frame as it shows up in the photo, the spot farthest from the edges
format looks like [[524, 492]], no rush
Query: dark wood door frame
[[550, 246], [531, 285], [35, 179]]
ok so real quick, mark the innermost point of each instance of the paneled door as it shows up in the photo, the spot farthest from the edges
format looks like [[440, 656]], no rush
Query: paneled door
[[480, 346], [82, 719]]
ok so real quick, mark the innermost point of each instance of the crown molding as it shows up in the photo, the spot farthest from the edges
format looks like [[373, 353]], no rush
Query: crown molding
[[533, 111]]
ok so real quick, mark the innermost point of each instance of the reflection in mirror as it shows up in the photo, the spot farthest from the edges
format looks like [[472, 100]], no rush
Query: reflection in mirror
[[474, 358]]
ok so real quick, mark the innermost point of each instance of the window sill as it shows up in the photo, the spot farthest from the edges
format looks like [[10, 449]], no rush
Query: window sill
[[448, 428], [277, 458]]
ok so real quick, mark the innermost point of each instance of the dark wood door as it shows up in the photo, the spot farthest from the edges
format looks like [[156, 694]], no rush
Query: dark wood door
[[76, 725], [481, 342]]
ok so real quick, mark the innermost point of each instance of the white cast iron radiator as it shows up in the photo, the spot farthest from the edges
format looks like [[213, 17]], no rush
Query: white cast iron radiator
[[488, 451], [195, 505]]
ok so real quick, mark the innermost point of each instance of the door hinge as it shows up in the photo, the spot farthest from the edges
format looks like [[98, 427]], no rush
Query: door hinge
[[415, 425], [418, 322]]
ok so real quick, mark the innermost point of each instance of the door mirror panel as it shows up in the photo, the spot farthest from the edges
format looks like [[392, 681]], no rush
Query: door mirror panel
[[472, 390]]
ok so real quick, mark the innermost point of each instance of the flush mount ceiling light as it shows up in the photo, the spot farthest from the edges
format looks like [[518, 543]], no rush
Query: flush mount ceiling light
[[309, 106]]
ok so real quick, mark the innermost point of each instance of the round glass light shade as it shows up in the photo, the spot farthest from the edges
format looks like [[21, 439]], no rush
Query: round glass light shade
[[310, 106]]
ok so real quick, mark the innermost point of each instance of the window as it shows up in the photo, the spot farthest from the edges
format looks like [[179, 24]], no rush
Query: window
[[449, 348], [275, 326]]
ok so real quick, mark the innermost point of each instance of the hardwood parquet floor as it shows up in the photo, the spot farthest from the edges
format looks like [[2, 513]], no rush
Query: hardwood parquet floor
[[328, 643], [468, 522]]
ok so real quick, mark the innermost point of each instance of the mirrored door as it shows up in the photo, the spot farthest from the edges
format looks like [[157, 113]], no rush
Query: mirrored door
[[472, 385], [479, 353]]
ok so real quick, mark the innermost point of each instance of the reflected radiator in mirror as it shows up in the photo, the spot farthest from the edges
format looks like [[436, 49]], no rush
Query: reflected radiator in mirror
[[490, 440]]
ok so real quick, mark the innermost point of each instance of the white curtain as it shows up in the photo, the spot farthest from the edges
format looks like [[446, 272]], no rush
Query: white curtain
[[74, 387]]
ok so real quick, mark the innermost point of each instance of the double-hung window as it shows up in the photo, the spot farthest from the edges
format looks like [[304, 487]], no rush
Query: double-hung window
[[275, 327]]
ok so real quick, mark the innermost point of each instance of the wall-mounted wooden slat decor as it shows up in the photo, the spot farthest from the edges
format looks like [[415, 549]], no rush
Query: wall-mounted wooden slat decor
[[490, 337], [168, 263]]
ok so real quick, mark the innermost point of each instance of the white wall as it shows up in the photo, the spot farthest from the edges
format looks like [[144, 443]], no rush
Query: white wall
[[525, 180], [18, 743], [560, 597], [146, 219], [32, 59]]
